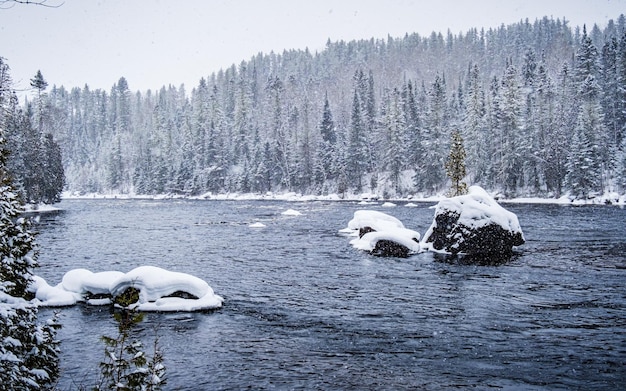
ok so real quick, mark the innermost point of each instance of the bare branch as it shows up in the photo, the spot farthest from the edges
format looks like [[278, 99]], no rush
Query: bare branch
[[6, 4]]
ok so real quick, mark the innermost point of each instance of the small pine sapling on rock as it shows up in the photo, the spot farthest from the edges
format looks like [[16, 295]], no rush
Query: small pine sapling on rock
[[455, 165]]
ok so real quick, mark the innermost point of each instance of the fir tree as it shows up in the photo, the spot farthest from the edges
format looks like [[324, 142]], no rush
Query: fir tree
[[126, 367], [455, 165], [28, 351], [395, 154], [326, 149], [357, 148]]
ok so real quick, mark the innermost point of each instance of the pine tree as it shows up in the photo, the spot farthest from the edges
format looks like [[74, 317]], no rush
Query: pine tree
[[326, 150], [357, 156], [126, 367], [54, 178], [28, 351], [455, 165], [395, 154], [510, 126], [40, 84], [474, 126], [593, 151], [431, 174]]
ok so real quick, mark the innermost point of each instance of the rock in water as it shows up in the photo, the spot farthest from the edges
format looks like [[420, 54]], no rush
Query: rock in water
[[474, 225]]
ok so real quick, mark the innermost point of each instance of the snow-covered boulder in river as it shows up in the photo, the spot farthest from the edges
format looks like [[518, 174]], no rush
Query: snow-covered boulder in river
[[162, 290], [382, 234], [152, 289], [392, 242], [475, 225], [370, 220]]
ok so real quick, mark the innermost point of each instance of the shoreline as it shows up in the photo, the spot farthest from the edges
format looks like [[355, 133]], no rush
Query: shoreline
[[609, 199]]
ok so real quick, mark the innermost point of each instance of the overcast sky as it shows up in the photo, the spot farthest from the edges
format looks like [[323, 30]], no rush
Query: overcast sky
[[160, 42]]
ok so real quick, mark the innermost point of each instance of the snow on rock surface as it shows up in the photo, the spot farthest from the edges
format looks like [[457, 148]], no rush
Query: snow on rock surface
[[154, 285], [84, 281], [381, 234], [257, 225], [52, 296], [474, 224], [399, 242], [377, 221]]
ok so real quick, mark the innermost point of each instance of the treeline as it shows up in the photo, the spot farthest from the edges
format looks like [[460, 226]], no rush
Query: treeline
[[541, 107], [34, 160]]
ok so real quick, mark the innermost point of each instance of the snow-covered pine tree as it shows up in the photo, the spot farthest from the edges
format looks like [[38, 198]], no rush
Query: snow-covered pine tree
[[40, 84], [593, 146], [28, 351], [510, 127], [357, 156], [431, 173], [395, 154], [126, 366], [326, 149], [474, 126], [455, 165]]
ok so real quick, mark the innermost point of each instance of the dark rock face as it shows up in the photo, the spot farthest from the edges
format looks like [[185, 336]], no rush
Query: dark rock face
[[490, 241], [388, 248], [364, 230]]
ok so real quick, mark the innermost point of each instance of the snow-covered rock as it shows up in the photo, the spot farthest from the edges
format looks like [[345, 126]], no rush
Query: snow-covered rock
[[391, 242], [381, 234], [474, 224], [370, 220], [257, 225], [86, 282], [291, 212], [163, 290], [157, 290], [52, 296]]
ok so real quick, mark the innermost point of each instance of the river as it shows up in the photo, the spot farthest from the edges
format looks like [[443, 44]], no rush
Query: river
[[304, 310]]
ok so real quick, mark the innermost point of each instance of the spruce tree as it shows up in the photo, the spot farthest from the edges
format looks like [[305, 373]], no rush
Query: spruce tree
[[28, 351], [455, 165], [326, 148]]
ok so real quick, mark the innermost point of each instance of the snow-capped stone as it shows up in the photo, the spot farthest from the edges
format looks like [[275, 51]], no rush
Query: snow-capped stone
[[155, 284], [474, 224], [158, 289], [372, 219], [392, 242]]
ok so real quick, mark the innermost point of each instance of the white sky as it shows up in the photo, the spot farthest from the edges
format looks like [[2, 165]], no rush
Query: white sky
[[160, 42]]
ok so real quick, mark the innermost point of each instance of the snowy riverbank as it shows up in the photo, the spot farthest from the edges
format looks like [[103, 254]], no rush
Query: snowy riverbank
[[608, 198]]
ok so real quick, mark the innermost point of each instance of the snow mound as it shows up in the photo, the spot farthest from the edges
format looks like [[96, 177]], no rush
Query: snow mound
[[257, 225], [158, 289], [52, 296], [388, 205], [84, 281], [291, 212], [378, 221]]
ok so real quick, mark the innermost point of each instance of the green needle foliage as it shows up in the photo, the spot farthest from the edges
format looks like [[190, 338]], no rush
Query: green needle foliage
[[126, 367], [455, 165]]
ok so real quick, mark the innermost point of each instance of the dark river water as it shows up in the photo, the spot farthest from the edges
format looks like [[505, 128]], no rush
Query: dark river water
[[304, 310]]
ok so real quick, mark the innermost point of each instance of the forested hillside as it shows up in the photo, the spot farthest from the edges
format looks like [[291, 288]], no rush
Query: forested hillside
[[540, 105]]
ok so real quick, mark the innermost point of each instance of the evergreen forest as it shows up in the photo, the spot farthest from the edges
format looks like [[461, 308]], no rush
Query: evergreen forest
[[540, 106]]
